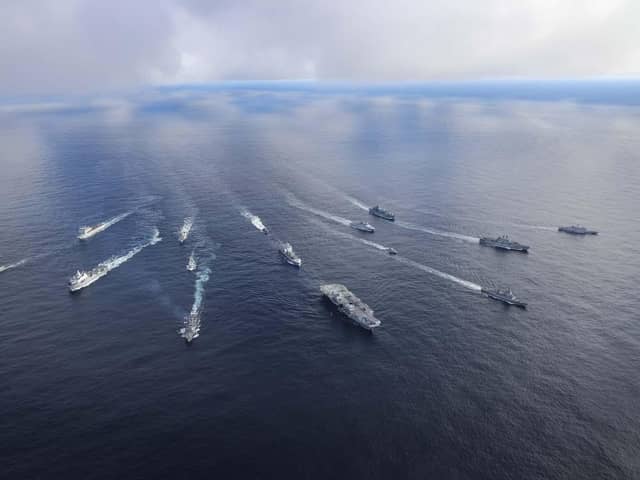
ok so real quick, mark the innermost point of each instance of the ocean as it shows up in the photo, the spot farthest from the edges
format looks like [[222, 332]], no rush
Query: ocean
[[101, 384]]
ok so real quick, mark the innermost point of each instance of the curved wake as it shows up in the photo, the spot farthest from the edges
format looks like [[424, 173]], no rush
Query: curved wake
[[114, 262], [4, 268], [89, 231]]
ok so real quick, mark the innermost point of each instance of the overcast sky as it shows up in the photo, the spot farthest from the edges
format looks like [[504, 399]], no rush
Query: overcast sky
[[52, 46]]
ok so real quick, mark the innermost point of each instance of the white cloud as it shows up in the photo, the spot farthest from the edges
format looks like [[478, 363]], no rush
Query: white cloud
[[84, 45]]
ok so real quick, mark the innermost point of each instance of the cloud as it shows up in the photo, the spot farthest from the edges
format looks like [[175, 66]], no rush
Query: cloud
[[93, 45]]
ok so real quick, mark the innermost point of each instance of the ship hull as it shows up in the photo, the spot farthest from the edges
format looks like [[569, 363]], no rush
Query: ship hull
[[362, 229], [383, 216], [573, 232], [345, 315], [514, 248], [504, 300]]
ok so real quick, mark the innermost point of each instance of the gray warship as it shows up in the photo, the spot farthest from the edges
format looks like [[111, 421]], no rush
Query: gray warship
[[382, 213], [363, 227], [350, 305], [504, 296], [286, 250], [504, 243], [577, 230]]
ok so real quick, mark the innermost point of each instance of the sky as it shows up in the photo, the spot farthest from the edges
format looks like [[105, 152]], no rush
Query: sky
[[62, 46]]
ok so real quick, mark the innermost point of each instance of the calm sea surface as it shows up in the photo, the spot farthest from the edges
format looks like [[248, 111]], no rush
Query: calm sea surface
[[278, 384]]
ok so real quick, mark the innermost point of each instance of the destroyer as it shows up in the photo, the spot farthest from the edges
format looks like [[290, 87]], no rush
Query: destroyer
[[350, 305], [83, 279], [184, 231], [577, 230], [505, 296], [286, 250], [504, 243], [363, 227], [191, 329], [382, 213], [191, 266]]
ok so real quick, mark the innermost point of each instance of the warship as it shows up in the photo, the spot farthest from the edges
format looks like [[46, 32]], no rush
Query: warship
[[382, 213], [184, 231], [504, 243], [286, 250], [363, 227], [81, 279], [192, 265], [577, 230], [505, 296], [350, 305]]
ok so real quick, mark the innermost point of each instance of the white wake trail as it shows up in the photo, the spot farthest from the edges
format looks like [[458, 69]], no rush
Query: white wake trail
[[536, 227], [295, 202], [4, 268], [419, 228], [112, 263], [357, 203], [406, 261], [193, 321], [89, 231], [425, 268], [375, 245]]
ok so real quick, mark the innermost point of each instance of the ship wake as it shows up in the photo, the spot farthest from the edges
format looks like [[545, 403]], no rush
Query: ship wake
[[357, 203], [114, 262], [297, 203], [4, 268], [192, 321], [419, 228], [425, 268], [90, 231]]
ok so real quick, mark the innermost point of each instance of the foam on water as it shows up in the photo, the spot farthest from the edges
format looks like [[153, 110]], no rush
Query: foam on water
[[4, 268], [425, 268], [406, 261], [536, 227], [419, 228], [297, 203], [192, 321], [357, 203], [102, 226]]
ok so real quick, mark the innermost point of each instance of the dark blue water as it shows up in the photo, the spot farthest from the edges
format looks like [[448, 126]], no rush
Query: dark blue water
[[278, 384]]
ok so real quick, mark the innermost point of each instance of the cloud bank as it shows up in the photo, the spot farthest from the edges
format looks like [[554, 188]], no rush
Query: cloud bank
[[51, 46]]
